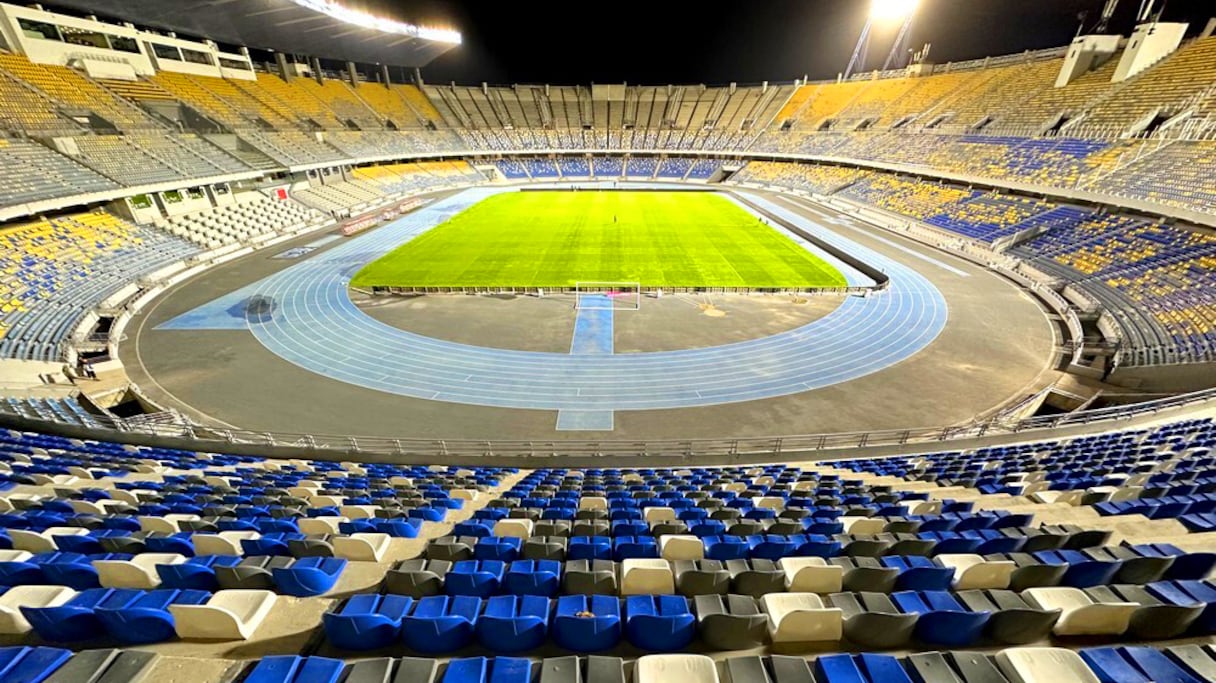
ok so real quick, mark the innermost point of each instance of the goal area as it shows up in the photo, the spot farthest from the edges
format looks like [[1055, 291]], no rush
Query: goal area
[[615, 296]]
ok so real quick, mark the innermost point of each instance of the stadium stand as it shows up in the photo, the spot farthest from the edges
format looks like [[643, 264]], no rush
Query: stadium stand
[[30, 173], [813, 178], [249, 219], [56, 270]]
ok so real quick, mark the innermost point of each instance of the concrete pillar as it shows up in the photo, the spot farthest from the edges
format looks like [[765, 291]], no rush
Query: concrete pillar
[[353, 74], [316, 70], [280, 62], [384, 75], [418, 77]]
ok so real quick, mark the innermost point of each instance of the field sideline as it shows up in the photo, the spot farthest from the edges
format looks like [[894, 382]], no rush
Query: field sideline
[[556, 239]]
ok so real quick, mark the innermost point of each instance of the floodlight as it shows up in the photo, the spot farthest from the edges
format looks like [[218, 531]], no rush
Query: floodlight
[[356, 18], [892, 10]]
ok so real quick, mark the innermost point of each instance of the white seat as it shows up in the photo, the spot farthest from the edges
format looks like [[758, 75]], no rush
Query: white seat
[[681, 547], [15, 555], [1072, 498], [973, 572], [682, 668], [593, 503], [222, 543], [362, 547], [647, 577], [169, 524], [811, 575], [769, 502], [325, 500], [659, 514], [320, 525], [131, 497], [12, 621], [863, 526], [228, 615], [99, 507], [42, 541], [400, 481], [1081, 616], [137, 572], [357, 511], [1043, 665], [801, 617], [735, 487], [472, 495], [514, 528], [925, 507]]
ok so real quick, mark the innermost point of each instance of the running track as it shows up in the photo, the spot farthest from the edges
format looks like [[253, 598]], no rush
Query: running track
[[315, 326]]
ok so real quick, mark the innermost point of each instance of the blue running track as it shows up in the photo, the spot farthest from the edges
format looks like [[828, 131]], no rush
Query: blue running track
[[315, 325]]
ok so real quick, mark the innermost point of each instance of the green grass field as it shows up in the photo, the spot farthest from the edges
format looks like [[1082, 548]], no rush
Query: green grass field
[[556, 239]]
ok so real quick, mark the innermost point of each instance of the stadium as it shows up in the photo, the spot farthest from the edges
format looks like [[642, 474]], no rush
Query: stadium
[[317, 368]]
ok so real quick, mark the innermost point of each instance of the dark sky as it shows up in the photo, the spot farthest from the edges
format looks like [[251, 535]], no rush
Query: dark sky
[[715, 42]]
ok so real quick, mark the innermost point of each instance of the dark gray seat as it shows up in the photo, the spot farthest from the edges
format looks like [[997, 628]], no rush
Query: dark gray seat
[[312, 546], [417, 578], [931, 667], [730, 622], [590, 577], [1029, 572], [1154, 620], [106, 666], [545, 548], [975, 667], [1198, 658], [872, 620], [866, 575], [1134, 568], [378, 670], [701, 577], [755, 577], [252, 573], [1014, 621], [416, 670], [451, 549], [552, 527]]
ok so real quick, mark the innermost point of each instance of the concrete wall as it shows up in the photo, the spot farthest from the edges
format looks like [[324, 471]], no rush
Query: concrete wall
[[1148, 44]]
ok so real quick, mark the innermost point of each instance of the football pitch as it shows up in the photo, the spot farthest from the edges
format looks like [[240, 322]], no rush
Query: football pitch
[[557, 239]]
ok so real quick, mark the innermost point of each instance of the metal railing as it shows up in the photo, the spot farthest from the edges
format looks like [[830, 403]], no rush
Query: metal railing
[[721, 449]]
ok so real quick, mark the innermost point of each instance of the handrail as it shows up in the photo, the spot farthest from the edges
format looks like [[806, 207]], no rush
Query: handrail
[[644, 450]]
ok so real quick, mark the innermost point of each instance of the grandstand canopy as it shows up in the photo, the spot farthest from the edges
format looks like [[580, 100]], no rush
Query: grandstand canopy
[[282, 25]]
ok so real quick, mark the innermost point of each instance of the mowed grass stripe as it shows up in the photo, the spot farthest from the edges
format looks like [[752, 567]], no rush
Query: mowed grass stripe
[[556, 239]]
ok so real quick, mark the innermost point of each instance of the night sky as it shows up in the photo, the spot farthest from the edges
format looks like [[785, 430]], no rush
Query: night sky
[[715, 42]]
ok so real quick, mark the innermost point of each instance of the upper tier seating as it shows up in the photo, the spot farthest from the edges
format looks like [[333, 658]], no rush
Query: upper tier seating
[[30, 173]]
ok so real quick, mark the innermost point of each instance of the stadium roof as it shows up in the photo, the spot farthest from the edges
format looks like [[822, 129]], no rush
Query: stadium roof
[[288, 26]]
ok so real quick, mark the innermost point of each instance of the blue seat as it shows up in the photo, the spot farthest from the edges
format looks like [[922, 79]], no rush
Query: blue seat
[[197, 573], [1082, 572], [941, 619], [533, 577], [589, 548], [147, 619], [180, 543], [587, 623], [514, 623], [308, 576], [485, 670], [1189, 593], [293, 669], [634, 547], [31, 664], [864, 668], [725, 547], [440, 623], [660, 623], [477, 578], [366, 622], [76, 571], [474, 527], [919, 573], [1135, 665], [501, 548], [77, 619]]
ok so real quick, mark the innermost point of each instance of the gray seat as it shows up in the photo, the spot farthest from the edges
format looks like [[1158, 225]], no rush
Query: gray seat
[[866, 575], [975, 667], [1198, 658], [1154, 620], [416, 670], [931, 667], [252, 573], [311, 546], [872, 620], [1135, 568], [105, 666], [1014, 621], [1029, 572], [730, 622], [701, 577], [561, 670], [590, 577], [590, 527], [601, 669], [669, 528], [417, 578], [545, 548], [451, 549], [370, 671], [552, 527], [755, 577]]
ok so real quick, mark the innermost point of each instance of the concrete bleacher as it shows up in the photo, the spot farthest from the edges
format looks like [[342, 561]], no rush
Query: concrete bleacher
[[250, 218]]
